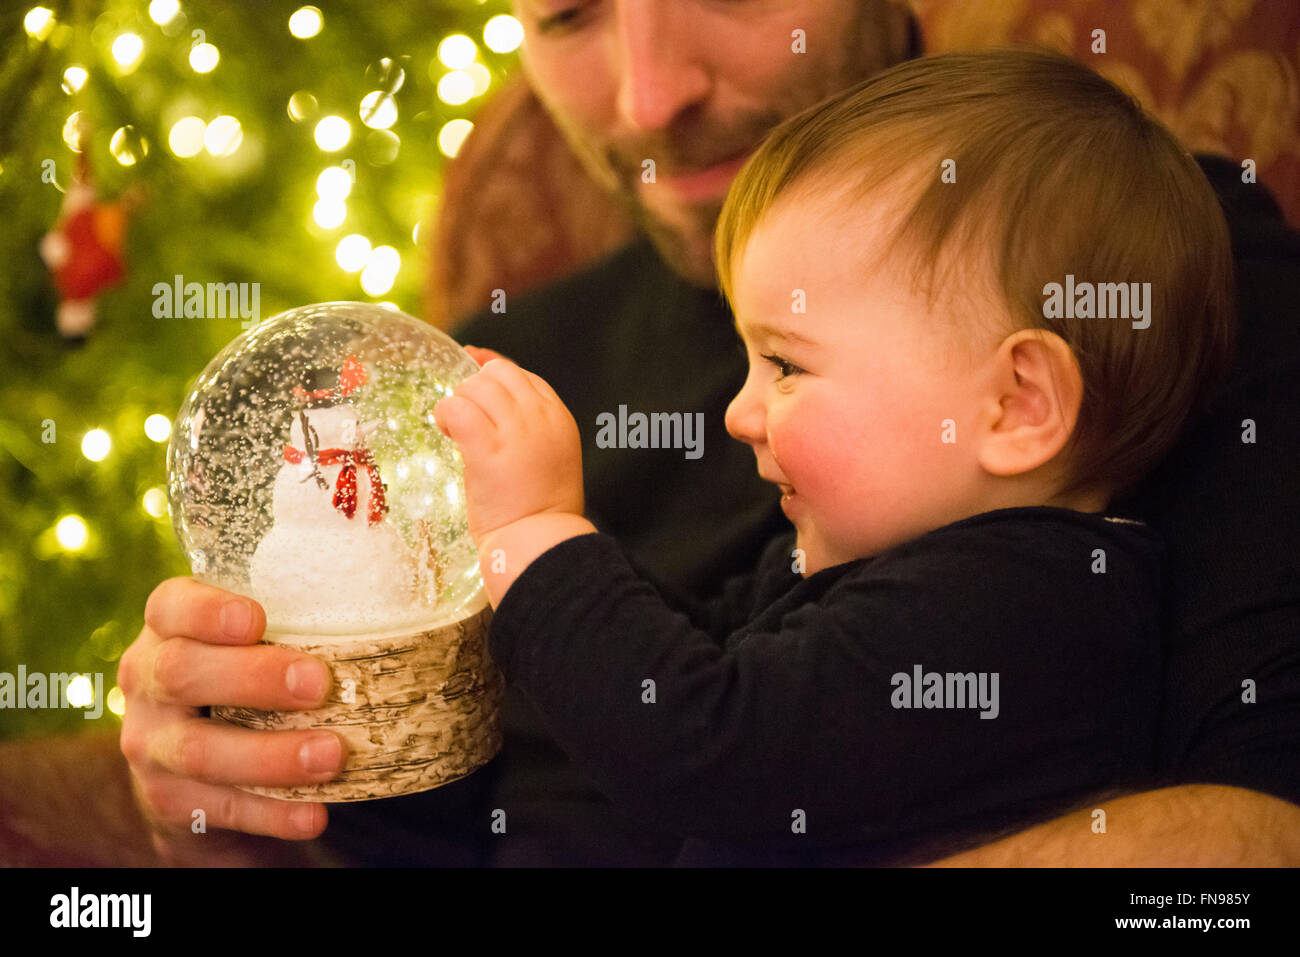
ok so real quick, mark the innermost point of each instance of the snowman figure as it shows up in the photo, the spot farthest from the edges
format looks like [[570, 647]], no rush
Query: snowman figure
[[330, 562]]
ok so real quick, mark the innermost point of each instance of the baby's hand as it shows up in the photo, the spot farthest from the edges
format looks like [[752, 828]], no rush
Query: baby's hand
[[520, 445]]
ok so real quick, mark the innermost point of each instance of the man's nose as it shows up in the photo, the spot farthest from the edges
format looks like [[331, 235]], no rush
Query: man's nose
[[660, 75]]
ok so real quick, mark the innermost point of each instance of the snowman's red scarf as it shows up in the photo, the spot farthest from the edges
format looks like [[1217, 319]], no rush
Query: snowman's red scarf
[[345, 489]]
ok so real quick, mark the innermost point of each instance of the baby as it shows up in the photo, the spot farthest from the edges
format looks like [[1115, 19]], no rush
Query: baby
[[980, 295]]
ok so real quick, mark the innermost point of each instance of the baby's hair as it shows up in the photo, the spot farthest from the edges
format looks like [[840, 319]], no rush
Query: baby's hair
[[1052, 170]]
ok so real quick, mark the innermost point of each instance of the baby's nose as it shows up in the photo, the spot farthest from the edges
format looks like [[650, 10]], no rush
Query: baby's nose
[[744, 418]]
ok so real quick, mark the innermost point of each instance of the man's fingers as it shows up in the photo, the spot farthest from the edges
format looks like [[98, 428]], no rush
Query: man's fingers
[[208, 750], [183, 606], [171, 804], [193, 674]]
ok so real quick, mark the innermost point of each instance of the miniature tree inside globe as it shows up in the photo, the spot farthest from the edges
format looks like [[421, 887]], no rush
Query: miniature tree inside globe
[[306, 471]]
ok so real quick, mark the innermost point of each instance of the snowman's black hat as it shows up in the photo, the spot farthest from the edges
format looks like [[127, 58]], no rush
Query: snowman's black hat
[[324, 386]]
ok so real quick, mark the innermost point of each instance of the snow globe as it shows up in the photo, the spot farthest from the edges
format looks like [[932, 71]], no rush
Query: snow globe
[[305, 470]]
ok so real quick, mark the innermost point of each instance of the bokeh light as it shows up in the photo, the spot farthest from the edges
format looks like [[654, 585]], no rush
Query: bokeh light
[[127, 50], [74, 78], [352, 252], [158, 427], [71, 533], [155, 502], [452, 135], [127, 146], [223, 136], [115, 700], [333, 133], [455, 87], [186, 137], [334, 183], [457, 51], [306, 22], [329, 213], [302, 106], [162, 12], [39, 22], [481, 76], [381, 271], [72, 131], [378, 110], [81, 691], [96, 444], [204, 58], [503, 34]]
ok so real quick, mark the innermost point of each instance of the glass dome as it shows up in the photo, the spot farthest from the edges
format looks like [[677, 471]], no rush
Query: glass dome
[[305, 470]]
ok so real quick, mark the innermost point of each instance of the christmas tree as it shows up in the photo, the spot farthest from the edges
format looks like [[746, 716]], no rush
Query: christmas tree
[[171, 172]]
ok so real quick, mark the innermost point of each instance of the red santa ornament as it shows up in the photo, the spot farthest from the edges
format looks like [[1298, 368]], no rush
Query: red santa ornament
[[84, 252]]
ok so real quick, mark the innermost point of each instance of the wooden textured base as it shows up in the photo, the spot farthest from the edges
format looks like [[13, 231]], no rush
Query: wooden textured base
[[416, 710]]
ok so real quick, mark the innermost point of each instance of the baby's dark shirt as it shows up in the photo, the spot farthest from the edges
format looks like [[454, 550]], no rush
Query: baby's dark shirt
[[778, 723]]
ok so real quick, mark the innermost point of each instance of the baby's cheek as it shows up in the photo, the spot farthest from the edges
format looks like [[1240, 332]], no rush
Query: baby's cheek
[[812, 452]]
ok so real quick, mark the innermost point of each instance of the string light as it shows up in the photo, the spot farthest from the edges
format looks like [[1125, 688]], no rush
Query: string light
[[72, 131], [39, 22], [158, 427], [378, 110], [302, 105], [127, 49], [457, 51], [503, 34], [116, 701], [71, 533], [305, 22], [163, 12], [381, 271], [352, 253], [74, 78], [455, 87], [452, 135], [127, 146], [334, 183], [186, 137], [96, 444], [329, 213], [80, 691], [155, 502], [481, 76], [333, 133], [223, 136], [204, 58]]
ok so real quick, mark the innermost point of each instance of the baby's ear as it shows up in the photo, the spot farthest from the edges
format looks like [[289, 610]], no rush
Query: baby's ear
[[1035, 390]]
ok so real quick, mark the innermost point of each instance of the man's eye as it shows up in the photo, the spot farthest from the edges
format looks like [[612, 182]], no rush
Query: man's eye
[[564, 19], [786, 368]]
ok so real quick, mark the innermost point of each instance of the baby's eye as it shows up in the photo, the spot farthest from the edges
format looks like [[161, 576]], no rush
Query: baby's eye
[[786, 367]]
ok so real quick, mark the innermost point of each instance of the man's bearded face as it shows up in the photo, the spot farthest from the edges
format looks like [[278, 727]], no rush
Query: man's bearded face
[[663, 100]]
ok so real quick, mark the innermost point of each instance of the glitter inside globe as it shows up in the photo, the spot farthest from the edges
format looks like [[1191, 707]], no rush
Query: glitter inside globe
[[306, 471]]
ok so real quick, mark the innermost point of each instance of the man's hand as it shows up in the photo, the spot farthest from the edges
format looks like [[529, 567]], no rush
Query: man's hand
[[200, 647], [523, 467]]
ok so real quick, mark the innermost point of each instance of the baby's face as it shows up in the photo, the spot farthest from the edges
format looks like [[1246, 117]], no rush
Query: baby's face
[[847, 405]]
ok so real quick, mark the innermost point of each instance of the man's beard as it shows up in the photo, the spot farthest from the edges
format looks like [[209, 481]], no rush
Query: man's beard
[[686, 243]]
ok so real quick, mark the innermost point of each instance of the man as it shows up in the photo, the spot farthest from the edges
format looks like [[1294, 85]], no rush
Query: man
[[683, 90]]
